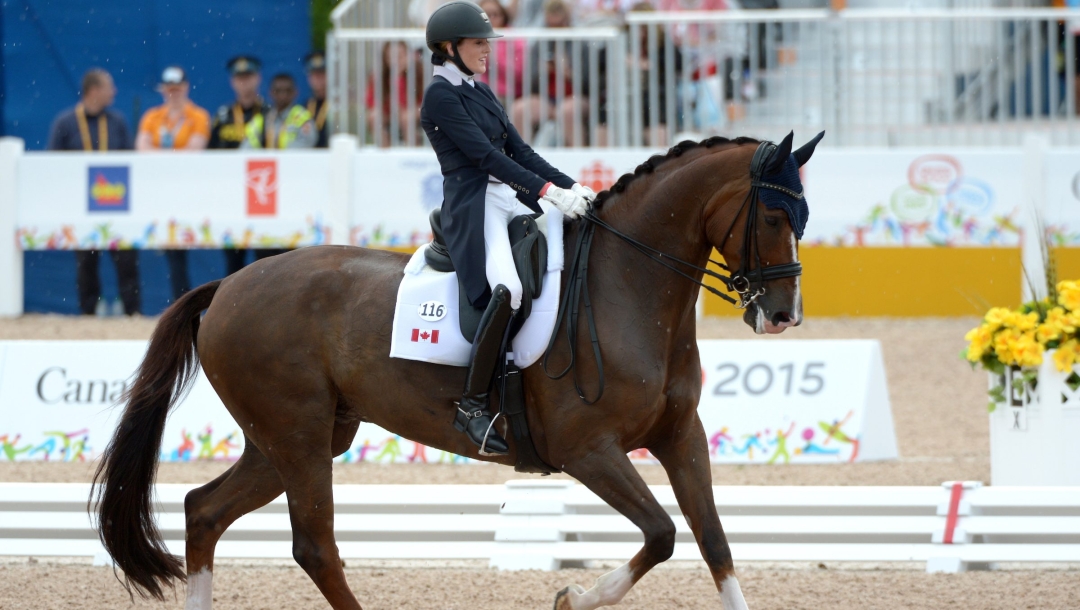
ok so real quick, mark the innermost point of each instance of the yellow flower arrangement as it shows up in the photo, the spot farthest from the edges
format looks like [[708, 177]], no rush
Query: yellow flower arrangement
[[1019, 338]]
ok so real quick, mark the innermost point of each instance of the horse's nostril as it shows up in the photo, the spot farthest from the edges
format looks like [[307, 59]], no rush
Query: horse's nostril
[[781, 317]]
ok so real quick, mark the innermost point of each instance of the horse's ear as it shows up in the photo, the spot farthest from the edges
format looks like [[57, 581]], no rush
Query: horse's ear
[[803, 154], [780, 157]]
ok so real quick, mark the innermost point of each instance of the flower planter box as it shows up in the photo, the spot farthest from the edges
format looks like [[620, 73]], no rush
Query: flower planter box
[[1035, 433]]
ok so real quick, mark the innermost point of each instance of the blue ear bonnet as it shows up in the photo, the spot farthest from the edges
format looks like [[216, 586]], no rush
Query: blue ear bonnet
[[777, 199]]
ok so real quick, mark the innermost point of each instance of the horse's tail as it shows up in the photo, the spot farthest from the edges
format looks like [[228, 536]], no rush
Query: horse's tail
[[124, 477]]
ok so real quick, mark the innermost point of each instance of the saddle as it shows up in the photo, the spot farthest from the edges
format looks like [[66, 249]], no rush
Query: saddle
[[530, 251], [529, 247]]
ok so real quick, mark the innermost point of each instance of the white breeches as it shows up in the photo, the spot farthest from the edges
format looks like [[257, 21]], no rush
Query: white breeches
[[500, 207]]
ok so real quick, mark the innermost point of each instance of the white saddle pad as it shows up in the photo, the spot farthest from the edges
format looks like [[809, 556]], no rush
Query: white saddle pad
[[426, 315]]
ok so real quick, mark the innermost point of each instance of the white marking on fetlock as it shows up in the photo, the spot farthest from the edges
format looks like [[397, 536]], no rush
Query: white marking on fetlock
[[200, 590], [608, 590], [731, 595]]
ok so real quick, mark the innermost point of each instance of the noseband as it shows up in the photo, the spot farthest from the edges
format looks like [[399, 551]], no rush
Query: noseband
[[747, 281]]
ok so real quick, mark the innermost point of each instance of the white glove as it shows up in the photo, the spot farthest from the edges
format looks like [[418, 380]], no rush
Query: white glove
[[569, 203], [585, 192]]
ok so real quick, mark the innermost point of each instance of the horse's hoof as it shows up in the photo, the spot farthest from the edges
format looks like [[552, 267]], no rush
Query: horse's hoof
[[562, 598]]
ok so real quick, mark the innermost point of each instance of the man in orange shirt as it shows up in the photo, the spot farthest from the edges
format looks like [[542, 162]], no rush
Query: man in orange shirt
[[177, 124]]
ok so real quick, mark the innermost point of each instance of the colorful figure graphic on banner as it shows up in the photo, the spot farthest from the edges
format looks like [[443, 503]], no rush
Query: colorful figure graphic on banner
[[391, 450], [183, 452], [223, 446], [833, 431], [781, 445], [752, 440], [107, 236], [720, 442], [418, 454], [10, 450], [810, 447]]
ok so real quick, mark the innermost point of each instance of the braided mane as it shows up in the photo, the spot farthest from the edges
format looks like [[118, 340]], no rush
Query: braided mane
[[654, 161]]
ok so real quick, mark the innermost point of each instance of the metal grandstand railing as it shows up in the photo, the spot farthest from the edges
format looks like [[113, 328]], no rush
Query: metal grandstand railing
[[868, 77]]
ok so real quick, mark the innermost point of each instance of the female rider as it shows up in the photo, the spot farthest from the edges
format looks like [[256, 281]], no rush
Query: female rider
[[487, 170]]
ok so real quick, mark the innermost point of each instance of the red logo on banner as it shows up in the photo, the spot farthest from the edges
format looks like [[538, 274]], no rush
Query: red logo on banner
[[262, 187], [597, 176]]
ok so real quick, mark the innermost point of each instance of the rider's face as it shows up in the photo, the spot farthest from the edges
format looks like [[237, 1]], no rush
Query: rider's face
[[474, 53]]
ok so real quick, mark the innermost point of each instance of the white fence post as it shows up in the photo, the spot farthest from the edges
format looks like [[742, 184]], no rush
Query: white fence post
[[527, 534], [11, 256], [342, 150], [949, 541]]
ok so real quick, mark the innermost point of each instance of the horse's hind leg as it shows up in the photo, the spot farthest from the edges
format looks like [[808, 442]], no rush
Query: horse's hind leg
[[610, 475], [304, 462], [249, 484], [685, 457]]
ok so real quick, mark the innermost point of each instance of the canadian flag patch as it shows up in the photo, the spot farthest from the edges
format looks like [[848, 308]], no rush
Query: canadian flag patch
[[425, 336]]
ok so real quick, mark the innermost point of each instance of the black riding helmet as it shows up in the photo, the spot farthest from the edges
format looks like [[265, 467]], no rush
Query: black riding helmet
[[450, 23]]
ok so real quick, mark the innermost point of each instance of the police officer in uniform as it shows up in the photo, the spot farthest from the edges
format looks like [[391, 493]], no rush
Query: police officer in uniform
[[315, 66], [230, 121], [229, 128], [488, 173], [286, 124]]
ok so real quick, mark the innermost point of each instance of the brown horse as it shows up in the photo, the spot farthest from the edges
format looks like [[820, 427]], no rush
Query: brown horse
[[296, 347]]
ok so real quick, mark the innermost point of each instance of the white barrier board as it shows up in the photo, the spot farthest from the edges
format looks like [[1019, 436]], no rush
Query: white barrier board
[[762, 401], [795, 401]]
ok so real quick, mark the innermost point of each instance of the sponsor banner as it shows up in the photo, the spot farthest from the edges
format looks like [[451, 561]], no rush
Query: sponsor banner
[[914, 197], [762, 402], [107, 189], [780, 402], [173, 200], [871, 197], [57, 404]]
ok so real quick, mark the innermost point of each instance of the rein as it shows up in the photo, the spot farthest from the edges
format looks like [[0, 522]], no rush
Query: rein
[[747, 282]]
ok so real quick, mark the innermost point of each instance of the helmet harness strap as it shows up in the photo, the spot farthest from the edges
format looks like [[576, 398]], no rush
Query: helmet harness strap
[[455, 58]]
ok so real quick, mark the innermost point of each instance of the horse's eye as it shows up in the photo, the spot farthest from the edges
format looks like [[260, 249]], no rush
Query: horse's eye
[[771, 221]]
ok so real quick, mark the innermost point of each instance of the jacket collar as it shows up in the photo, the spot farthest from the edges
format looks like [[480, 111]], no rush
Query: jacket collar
[[453, 74]]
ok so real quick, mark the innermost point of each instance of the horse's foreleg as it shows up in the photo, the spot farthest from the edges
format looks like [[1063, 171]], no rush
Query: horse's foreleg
[[249, 484], [685, 457], [305, 466], [611, 476]]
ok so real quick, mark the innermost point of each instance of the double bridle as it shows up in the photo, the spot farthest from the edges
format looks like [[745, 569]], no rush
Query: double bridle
[[747, 281]]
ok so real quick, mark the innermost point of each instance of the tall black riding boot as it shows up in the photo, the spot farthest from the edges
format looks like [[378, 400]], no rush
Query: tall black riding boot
[[473, 417]]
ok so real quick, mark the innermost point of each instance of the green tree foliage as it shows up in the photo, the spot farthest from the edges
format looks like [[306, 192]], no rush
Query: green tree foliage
[[320, 22]]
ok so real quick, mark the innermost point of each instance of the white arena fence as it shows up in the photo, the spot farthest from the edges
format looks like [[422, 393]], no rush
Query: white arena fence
[[545, 525], [869, 77]]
